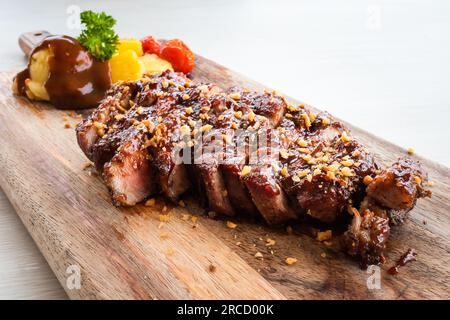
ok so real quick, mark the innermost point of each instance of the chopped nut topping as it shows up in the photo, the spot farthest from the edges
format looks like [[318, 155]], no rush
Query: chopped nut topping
[[246, 170], [185, 97], [206, 127], [317, 171], [67, 125], [238, 114], [302, 143], [331, 175], [312, 116], [430, 183], [189, 110], [251, 116], [307, 120], [418, 180], [119, 117], [309, 177], [410, 151], [139, 110], [367, 180], [345, 138], [303, 173], [284, 154], [290, 261], [284, 172], [325, 121], [231, 225], [346, 171], [296, 178], [235, 96], [347, 163]]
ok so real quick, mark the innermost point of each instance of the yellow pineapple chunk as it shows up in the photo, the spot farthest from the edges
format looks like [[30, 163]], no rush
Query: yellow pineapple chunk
[[154, 64], [130, 44], [125, 65]]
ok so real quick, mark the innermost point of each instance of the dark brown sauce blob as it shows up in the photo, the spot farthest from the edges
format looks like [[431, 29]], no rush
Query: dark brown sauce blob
[[407, 257], [76, 79]]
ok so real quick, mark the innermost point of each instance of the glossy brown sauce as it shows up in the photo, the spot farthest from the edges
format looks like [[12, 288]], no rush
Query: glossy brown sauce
[[76, 79], [407, 257]]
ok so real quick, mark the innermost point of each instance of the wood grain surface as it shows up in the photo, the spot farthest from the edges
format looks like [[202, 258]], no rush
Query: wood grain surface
[[131, 254]]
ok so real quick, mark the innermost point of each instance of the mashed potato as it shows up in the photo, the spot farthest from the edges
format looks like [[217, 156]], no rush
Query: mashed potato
[[129, 63], [39, 72]]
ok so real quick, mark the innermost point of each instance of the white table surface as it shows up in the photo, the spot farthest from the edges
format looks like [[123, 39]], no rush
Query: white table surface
[[381, 65]]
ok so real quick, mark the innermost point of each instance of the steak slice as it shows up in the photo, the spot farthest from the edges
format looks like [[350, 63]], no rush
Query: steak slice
[[116, 102], [368, 233], [130, 175], [399, 186]]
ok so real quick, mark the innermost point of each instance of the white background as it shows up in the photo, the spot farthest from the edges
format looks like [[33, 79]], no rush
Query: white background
[[381, 65]]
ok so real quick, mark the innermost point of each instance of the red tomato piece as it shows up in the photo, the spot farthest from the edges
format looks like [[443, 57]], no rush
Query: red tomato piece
[[179, 55], [151, 45]]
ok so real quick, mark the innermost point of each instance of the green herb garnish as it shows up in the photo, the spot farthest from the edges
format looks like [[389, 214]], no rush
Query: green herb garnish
[[98, 36]]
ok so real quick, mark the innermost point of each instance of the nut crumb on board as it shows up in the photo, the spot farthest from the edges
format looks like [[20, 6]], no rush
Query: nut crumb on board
[[324, 235], [323, 255], [150, 202], [164, 217], [259, 255], [164, 235], [290, 261], [231, 225], [87, 165], [185, 216], [270, 242]]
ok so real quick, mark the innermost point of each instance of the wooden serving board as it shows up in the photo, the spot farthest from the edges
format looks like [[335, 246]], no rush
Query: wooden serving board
[[130, 254]]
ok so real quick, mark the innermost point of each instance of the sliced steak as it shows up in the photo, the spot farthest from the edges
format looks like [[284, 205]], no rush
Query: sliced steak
[[399, 186]]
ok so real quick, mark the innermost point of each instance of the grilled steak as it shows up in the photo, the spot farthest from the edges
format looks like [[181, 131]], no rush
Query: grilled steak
[[245, 152]]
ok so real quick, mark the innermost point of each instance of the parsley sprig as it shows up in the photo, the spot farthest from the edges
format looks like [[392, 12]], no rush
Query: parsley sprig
[[98, 36]]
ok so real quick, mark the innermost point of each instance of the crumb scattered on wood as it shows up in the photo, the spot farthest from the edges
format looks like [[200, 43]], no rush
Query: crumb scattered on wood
[[290, 261], [324, 235], [259, 255], [181, 203], [150, 202], [170, 251], [185, 216], [164, 217], [87, 165], [323, 255], [430, 183], [270, 242], [212, 214], [164, 235], [231, 225]]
